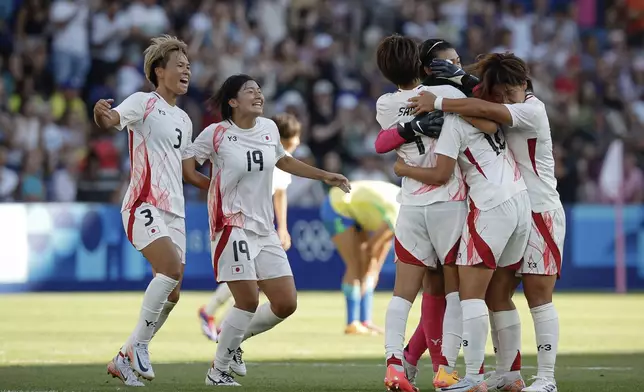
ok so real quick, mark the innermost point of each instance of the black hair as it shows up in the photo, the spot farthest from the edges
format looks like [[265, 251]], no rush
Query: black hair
[[500, 68], [229, 90], [429, 50], [398, 60]]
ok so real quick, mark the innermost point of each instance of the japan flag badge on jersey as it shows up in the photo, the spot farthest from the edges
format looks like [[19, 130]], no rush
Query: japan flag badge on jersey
[[153, 231], [266, 137], [237, 269]]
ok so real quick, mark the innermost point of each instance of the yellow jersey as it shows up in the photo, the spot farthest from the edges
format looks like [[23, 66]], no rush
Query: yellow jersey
[[370, 203]]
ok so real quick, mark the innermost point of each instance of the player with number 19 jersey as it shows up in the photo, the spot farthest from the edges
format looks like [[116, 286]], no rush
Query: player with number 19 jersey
[[498, 222], [158, 134], [245, 245], [431, 217]]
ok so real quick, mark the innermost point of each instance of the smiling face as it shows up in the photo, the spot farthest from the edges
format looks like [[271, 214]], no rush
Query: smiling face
[[249, 99], [175, 76]]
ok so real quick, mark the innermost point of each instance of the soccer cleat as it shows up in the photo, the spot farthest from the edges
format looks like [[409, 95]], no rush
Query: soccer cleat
[[120, 368], [208, 325], [467, 384], [218, 377], [444, 379], [411, 371], [541, 384], [140, 360], [375, 330], [509, 382], [356, 328], [237, 365], [396, 380]]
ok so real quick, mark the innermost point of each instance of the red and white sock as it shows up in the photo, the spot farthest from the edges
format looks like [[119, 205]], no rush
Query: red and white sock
[[395, 325], [508, 326]]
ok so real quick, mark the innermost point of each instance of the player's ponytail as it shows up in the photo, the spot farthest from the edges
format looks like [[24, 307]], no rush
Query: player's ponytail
[[228, 91], [500, 68]]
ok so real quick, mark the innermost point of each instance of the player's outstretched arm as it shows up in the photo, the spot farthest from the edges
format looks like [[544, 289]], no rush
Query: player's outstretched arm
[[281, 205], [104, 116], [438, 175], [471, 107], [301, 169], [192, 176], [429, 124]]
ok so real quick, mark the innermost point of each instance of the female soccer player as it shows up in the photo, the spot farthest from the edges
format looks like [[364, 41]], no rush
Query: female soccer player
[[505, 79], [244, 149], [360, 225], [153, 207], [289, 128], [422, 237]]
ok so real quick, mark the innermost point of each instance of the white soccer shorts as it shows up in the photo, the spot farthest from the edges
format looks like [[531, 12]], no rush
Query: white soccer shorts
[[145, 223], [546, 243], [239, 254], [497, 237], [427, 235]]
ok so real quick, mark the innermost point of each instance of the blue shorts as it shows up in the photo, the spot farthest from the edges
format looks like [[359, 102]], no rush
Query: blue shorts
[[334, 222]]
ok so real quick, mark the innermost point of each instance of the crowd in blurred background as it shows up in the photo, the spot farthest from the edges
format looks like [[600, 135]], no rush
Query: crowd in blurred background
[[313, 58]]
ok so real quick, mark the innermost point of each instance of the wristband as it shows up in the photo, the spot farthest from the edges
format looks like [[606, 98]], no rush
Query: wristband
[[438, 103]]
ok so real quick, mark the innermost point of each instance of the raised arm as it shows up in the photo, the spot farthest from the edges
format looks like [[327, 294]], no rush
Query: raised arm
[[301, 169], [104, 116], [469, 107], [429, 124]]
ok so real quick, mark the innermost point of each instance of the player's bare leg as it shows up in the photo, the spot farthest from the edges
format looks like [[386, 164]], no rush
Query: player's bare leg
[[506, 332], [164, 259], [538, 290], [347, 244], [219, 298], [408, 282], [233, 329], [452, 329], [473, 284], [369, 282]]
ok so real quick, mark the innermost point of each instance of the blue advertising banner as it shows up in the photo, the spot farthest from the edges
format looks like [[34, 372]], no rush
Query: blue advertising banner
[[72, 247]]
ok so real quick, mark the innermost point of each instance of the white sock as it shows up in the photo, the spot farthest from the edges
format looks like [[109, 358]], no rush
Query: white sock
[[263, 320], [155, 296], [395, 326], [475, 325], [452, 328], [165, 312], [508, 326], [494, 333], [232, 332], [546, 328], [221, 295]]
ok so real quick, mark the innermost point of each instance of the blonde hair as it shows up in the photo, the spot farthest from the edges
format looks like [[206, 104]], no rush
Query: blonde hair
[[158, 54]]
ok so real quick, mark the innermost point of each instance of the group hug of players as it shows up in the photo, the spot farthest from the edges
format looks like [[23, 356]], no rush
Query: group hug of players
[[477, 213]]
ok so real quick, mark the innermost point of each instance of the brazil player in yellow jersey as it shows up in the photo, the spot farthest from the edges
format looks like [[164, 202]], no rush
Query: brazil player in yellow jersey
[[361, 225]]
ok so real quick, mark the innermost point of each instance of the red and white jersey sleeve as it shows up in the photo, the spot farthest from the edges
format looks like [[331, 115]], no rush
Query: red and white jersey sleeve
[[392, 109], [158, 137], [530, 140], [241, 185], [490, 170]]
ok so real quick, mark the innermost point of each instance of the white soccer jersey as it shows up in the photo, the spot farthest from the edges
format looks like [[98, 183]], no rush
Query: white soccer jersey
[[489, 167], [392, 109], [243, 161], [159, 134], [530, 140]]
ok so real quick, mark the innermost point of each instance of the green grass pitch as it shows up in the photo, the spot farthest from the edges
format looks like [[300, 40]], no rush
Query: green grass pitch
[[62, 342]]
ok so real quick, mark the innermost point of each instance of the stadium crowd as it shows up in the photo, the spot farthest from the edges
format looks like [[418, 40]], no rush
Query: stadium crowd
[[315, 59]]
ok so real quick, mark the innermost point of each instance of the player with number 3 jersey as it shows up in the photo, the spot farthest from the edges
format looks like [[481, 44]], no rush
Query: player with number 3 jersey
[[153, 208], [244, 149], [525, 123]]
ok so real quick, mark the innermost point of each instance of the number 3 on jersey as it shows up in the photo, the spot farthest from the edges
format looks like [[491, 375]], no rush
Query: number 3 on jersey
[[255, 158], [179, 136]]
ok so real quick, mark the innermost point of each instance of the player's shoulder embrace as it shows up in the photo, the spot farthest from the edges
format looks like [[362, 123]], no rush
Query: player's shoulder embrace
[[446, 91]]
